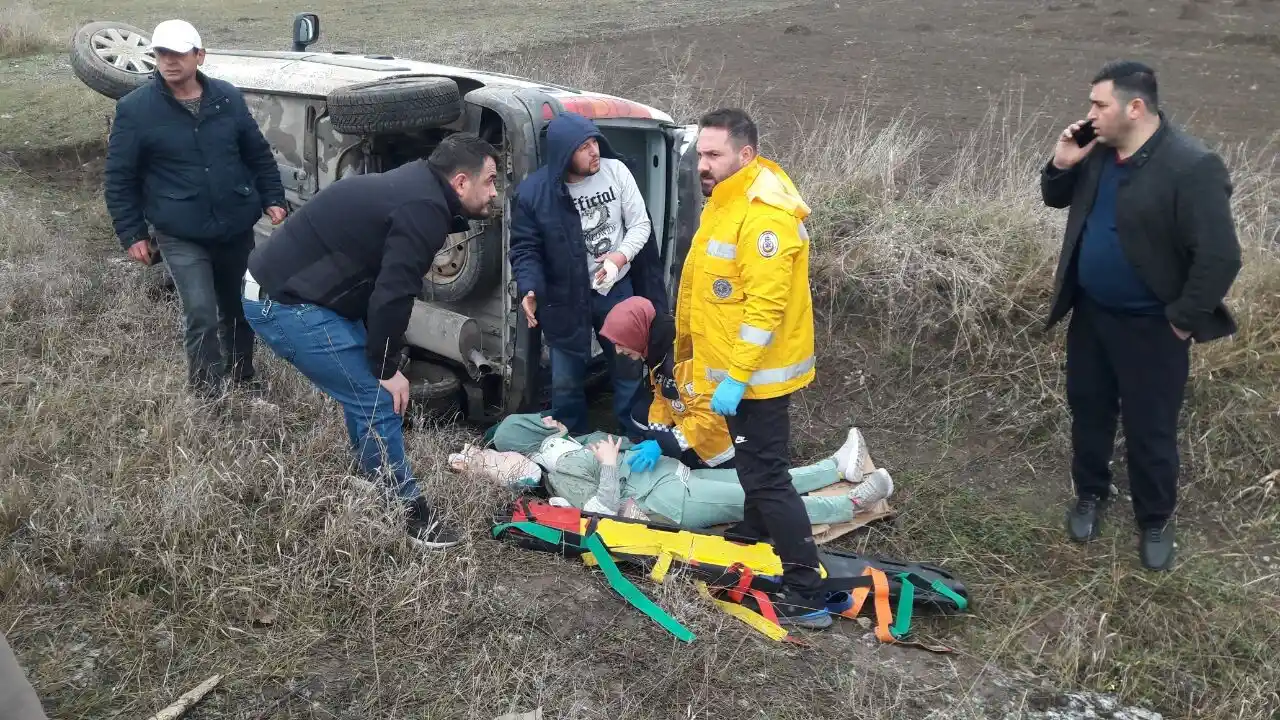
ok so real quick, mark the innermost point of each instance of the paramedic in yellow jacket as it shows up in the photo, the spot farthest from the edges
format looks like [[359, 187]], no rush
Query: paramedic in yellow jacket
[[745, 317]]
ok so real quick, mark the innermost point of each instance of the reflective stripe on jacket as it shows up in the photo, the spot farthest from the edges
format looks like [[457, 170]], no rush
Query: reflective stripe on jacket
[[744, 309], [689, 417]]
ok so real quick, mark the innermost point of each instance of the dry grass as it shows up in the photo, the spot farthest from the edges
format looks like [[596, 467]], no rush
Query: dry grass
[[22, 31], [151, 542], [942, 287]]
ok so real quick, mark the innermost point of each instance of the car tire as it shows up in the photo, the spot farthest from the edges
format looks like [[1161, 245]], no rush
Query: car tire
[[95, 42], [435, 393], [395, 105], [458, 273]]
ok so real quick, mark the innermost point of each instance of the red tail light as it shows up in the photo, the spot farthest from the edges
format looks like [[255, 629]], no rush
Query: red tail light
[[598, 107]]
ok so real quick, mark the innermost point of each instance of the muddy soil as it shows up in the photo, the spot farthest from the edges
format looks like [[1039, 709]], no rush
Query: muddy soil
[[1218, 61]]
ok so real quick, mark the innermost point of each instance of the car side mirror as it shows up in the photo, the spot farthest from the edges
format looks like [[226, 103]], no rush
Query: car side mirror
[[306, 30]]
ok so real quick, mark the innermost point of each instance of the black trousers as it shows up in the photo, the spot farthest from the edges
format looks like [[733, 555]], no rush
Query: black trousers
[[1135, 368], [762, 452], [209, 277]]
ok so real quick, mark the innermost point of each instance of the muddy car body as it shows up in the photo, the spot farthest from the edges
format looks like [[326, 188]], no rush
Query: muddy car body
[[331, 114]]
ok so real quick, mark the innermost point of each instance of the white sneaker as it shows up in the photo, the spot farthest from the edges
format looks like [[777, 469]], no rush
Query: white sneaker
[[878, 486], [854, 450]]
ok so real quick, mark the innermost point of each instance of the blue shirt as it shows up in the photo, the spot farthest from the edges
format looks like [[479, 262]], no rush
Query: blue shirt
[[1105, 274]]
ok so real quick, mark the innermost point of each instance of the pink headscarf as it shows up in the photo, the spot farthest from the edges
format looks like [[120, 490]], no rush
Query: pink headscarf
[[627, 324]]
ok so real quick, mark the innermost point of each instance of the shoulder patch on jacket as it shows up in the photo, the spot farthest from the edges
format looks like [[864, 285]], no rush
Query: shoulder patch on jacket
[[767, 244]]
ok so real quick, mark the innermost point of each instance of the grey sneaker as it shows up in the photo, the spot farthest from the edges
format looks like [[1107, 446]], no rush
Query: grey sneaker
[[1156, 547], [795, 610], [878, 486], [1084, 519]]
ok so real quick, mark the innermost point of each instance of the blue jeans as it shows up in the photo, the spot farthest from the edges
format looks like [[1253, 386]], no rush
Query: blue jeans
[[569, 373], [330, 351]]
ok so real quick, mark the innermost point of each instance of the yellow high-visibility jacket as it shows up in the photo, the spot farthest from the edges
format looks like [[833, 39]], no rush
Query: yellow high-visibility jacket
[[744, 308], [688, 417]]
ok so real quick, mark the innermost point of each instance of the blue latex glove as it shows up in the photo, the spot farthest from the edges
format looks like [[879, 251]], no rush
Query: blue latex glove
[[644, 456], [727, 396]]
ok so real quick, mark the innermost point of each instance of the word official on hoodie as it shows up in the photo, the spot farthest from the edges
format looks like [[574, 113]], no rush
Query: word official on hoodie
[[613, 213]]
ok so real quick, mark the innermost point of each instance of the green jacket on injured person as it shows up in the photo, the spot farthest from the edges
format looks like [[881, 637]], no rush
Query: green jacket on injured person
[[590, 474]]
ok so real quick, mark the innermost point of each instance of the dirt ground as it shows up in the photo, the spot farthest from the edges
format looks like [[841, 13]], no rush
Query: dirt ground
[[1218, 61]]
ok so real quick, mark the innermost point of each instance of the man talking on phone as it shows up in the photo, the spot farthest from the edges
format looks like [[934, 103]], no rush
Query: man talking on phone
[[1149, 254]]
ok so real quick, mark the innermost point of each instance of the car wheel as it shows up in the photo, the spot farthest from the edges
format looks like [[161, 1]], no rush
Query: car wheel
[[435, 393], [463, 266], [112, 58], [395, 105]]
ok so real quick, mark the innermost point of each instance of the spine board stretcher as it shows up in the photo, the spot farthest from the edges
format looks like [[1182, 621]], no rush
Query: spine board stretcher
[[727, 571]]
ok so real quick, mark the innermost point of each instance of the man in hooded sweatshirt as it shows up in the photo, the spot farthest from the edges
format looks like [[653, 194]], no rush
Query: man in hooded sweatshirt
[[580, 236]]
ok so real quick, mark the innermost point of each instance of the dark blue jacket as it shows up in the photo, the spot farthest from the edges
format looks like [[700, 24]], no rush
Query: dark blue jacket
[[195, 178], [548, 254]]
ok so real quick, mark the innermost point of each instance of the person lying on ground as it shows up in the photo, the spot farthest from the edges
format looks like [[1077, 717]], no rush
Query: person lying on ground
[[590, 473], [678, 422]]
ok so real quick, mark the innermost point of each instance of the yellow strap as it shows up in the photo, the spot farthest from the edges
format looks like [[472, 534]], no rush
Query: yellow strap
[[766, 628], [660, 568], [589, 560]]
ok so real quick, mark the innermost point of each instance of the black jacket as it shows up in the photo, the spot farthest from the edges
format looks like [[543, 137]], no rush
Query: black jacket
[[361, 247], [548, 255], [1173, 217], [196, 178]]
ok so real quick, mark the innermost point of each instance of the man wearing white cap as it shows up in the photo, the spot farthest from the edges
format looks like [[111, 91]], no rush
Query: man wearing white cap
[[189, 173]]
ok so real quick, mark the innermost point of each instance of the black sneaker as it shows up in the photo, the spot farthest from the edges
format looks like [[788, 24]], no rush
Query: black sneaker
[[1084, 519], [426, 529], [796, 610], [1156, 547]]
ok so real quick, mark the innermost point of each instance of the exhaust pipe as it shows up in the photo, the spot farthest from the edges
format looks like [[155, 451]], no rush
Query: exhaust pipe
[[483, 364], [448, 334]]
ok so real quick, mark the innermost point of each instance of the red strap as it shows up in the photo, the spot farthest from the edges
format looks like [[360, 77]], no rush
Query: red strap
[[743, 585], [766, 606], [567, 519]]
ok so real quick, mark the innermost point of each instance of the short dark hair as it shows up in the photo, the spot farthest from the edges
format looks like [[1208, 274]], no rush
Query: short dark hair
[[1131, 79], [735, 121], [461, 152]]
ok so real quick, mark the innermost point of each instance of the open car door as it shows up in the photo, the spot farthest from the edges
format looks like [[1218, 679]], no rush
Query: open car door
[[684, 204]]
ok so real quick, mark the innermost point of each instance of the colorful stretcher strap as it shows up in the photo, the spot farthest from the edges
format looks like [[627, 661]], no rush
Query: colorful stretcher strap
[[600, 554]]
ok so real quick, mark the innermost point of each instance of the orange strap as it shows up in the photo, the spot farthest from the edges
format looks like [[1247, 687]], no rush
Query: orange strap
[[884, 616]]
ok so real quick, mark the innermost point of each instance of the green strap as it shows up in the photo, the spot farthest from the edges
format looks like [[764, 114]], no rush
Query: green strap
[[632, 594], [907, 596], [611, 572], [942, 589], [906, 601], [541, 532]]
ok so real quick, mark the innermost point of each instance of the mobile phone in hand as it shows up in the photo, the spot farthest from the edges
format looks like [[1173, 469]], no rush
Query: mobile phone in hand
[[1085, 134], [153, 249]]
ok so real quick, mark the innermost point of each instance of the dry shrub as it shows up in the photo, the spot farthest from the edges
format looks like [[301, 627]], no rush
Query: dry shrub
[[957, 265], [22, 31]]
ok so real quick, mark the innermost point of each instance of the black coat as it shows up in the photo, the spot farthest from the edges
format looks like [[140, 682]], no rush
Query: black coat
[[204, 177], [1173, 217], [362, 247]]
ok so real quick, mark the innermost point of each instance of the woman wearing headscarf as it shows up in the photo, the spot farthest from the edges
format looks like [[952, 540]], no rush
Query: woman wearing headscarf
[[678, 422]]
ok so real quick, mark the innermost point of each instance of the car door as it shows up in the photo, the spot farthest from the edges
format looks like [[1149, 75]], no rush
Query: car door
[[684, 204]]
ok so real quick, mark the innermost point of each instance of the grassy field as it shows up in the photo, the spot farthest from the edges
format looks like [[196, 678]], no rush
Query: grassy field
[[152, 542]]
